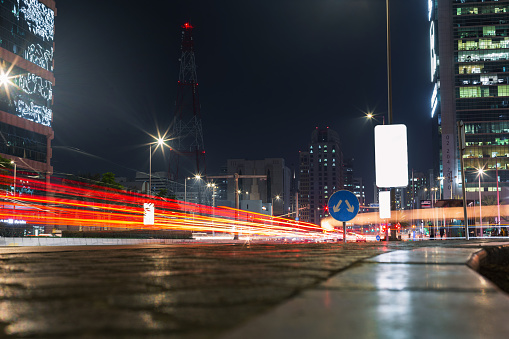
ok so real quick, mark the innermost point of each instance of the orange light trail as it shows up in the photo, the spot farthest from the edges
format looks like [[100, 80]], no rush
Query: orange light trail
[[87, 205]]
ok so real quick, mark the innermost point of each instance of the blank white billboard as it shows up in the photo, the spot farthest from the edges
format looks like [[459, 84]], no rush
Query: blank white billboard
[[148, 213], [391, 156], [384, 200]]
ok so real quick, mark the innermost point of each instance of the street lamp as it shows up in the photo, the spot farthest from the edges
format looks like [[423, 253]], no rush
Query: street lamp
[[213, 186], [440, 185], [13, 163], [159, 142], [371, 116], [480, 172], [196, 176], [272, 206]]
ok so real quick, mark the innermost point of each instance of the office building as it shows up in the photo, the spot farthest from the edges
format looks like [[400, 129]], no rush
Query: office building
[[26, 83], [275, 189], [321, 174], [352, 183], [469, 43]]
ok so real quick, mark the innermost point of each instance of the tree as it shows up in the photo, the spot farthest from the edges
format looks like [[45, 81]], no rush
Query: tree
[[108, 180], [5, 169], [163, 193], [5, 164]]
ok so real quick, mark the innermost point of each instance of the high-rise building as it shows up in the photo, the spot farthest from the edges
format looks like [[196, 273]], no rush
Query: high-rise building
[[348, 174], [352, 183], [274, 190], [321, 174], [359, 190], [469, 42], [417, 190], [26, 83]]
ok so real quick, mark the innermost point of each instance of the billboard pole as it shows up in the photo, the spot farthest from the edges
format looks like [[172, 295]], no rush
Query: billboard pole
[[461, 143]]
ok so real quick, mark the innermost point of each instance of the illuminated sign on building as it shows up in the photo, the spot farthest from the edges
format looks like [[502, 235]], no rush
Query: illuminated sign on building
[[430, 9], [434, 100], [27, 96], [40, 56], [14, 221], [432, 51], [39, 18]]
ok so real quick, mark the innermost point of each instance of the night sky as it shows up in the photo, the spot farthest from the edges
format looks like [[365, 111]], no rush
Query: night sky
[[269, 72]]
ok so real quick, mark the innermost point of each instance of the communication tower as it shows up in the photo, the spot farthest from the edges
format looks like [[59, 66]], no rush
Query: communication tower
[[187, 156]]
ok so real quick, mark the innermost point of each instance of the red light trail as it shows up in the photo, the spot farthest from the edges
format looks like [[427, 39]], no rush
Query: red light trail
[[87, 205]]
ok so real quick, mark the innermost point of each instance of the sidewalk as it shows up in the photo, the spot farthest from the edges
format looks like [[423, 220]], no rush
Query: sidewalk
[[250, 290], [420, 293]]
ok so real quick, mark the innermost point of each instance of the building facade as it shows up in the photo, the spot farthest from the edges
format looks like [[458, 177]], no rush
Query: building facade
[[352, 183], [26, 83], [321, 174], [274, 190], [469, 43]]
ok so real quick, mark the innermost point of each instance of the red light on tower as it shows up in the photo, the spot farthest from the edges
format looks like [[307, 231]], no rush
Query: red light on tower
[[187, 25]]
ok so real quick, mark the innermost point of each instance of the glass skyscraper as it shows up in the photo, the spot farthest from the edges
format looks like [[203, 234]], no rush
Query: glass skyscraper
[[469, 49], [26, 83]]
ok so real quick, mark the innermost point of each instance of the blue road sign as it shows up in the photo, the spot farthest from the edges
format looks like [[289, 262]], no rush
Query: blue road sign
[[377, 237], [343, 205]]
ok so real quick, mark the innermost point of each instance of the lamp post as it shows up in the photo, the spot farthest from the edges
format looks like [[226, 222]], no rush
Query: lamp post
[[480, 172], [185, 188], [498, 198], [440, 186], [272, 206], [213, 186], [159, 142], [12, 162], [196, 176]]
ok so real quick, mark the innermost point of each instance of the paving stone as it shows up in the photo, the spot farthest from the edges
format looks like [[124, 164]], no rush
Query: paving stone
[[188, 291], [382, 314]]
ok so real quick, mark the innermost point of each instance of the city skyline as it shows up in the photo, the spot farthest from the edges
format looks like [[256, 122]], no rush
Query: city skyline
[[268, 74]]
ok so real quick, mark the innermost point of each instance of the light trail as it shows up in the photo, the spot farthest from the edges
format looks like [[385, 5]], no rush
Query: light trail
[[77, 204], [86, 205]]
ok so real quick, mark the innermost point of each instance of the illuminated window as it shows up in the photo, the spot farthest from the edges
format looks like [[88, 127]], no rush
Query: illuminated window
[[503, 91], [468, 45], [470, 92], [470, 69], [488, 30]]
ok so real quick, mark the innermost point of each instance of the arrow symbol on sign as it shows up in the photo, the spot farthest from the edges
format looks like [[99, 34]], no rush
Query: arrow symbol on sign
[[336, 207], [350, 208]]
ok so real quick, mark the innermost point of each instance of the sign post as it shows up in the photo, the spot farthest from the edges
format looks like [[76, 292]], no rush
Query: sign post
[[343, 206], [462, 146]]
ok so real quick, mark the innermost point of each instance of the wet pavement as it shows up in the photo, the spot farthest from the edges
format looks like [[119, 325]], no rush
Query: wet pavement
[[245, 290]]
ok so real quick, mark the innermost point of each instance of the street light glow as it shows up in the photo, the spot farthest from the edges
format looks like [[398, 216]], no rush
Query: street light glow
[[3, 78]]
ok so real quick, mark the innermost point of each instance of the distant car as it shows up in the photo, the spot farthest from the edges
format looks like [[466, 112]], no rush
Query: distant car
[[360, 238]]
